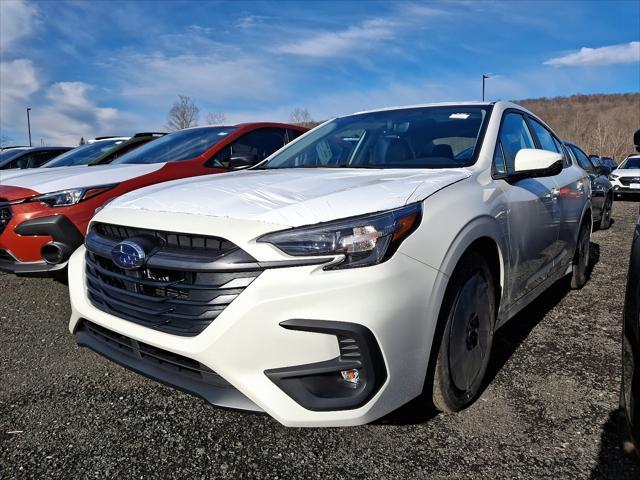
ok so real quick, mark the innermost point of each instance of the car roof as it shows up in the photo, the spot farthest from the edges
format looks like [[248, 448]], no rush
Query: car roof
[[38, 149], [436, 104], [15, 147], [248, 125]]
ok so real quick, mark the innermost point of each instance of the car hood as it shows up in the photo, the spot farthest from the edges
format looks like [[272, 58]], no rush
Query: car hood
[[6, 175], [48, 180], [292, 197], [627, 172]]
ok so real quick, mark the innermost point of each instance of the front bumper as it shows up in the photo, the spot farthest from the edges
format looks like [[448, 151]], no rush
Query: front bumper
[[25, 235], [623, 186], [247, 343], [9, 264]]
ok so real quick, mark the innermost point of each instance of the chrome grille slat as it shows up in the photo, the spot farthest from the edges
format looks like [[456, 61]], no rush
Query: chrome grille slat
[[159, 296]]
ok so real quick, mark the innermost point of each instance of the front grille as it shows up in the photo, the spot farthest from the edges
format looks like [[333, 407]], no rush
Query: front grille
[[186, 283], [5, 215], [626, 181], [170, 362], [168, 239]]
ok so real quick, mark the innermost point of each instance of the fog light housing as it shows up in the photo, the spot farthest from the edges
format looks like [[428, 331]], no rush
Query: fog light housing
[[351, 377], [342, 383]]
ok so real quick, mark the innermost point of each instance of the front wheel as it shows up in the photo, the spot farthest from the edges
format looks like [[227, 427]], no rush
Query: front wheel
[[469, 310], [581, 258], [605, 221]]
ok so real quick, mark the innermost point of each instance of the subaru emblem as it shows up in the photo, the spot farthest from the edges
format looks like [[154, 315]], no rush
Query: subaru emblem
[[128, 255]]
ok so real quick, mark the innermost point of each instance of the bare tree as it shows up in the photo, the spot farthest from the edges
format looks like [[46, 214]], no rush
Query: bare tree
[[599, 124], [302, 117], [216, 118], [183, 114]]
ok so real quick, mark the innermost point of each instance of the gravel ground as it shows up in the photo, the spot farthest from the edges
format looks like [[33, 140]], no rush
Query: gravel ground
[[549, 411]]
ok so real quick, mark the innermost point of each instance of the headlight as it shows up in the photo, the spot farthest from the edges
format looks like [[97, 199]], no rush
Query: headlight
[[72, 196], [366, 240], [613, 176]]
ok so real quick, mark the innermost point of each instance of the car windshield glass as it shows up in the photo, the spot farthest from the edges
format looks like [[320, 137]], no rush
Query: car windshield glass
[[631, 162], [9, 154], [426, 137], [180, 145], [84, 154]]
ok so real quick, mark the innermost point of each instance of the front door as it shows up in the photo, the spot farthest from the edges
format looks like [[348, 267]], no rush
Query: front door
[[534, 216]]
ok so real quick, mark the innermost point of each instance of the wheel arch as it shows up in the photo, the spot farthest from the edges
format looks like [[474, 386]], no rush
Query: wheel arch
[[485, 234]]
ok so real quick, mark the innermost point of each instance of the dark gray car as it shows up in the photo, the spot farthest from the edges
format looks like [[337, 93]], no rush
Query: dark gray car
[[28, 157], [601, 187]]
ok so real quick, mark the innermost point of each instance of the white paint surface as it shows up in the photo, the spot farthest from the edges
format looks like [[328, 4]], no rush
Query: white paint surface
[[48, 180], [292, 197]]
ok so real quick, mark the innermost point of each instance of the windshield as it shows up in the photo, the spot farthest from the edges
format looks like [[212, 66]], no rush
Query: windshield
[[180, 145], [427, 137], [9, 154], [84, 154], [631, 162]]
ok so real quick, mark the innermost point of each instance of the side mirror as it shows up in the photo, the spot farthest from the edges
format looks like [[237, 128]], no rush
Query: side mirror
[[532, 163], [238, 162]]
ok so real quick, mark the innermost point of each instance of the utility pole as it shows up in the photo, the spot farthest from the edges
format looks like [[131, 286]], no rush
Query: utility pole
[[29, 124], [484, 77]]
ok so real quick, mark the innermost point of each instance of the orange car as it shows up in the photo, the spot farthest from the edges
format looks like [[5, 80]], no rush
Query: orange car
[[44, 216]]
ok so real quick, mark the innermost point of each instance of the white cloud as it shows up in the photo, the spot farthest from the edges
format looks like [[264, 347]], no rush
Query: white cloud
[[61, 116], [250, 21], [70, 113], [211, 77], [19, 80], [17, 19], [344, 42], [366, 35], [609, 55], [191, 63]]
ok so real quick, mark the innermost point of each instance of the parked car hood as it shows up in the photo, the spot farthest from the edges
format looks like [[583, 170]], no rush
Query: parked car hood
[[6, 175], [627, 172], [48, 180], [292, 197]]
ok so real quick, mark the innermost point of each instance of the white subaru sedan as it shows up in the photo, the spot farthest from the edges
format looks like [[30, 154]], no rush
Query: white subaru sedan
[[367, 262]]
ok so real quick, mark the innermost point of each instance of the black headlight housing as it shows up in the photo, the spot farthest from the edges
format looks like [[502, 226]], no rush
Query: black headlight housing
[[363, 241]]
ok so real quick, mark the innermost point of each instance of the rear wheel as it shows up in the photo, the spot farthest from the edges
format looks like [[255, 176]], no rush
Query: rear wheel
[[581, 257], [469, 310]]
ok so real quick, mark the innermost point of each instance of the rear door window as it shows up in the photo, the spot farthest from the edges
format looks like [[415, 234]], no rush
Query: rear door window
[[583, 160], [37, 159], [258, 145], [293, 134]]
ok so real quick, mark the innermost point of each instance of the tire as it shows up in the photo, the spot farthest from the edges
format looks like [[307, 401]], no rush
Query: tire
[[469, 310], [605, 220], [581, 257]]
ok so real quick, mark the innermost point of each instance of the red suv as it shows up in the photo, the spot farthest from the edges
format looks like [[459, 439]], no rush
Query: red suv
[[44, 216]]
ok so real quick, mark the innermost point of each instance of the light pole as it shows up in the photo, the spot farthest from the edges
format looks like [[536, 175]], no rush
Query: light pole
[[29, 124], [484, 77]]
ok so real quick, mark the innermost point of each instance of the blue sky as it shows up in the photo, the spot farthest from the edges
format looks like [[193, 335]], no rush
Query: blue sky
[[112, 67]]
